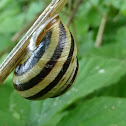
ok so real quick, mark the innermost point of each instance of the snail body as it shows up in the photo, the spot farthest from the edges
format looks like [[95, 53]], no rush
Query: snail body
[[50, 65]]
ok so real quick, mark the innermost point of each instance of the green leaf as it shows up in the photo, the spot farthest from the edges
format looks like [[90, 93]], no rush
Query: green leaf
[[3, 3], [123, 8], [9, 119], [116, 90], [14, 110], [8, 25], [55, 119], [110, 51], [6, 94], [20, 108], [104, 111]]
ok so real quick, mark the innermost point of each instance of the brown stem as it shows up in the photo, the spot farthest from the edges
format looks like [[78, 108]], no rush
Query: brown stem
[[73, 12], [99, 37]]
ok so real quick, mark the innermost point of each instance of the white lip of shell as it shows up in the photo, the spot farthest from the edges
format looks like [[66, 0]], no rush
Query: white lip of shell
[[32, 44]]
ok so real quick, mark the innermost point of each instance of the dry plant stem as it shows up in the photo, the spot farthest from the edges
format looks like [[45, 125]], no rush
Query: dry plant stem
[[73, 12], [99, 37], [20, 49], [115, 19]]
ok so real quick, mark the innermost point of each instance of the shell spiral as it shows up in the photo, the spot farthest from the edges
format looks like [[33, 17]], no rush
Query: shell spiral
[[50, 66]]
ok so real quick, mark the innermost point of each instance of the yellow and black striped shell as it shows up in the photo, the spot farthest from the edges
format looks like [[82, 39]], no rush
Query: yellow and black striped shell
[[50, 66]]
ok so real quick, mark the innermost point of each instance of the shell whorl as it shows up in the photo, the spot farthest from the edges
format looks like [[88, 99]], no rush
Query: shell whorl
[[50, 66]]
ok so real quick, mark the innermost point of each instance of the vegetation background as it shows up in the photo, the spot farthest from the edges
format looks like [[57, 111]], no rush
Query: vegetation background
[[98, 97]]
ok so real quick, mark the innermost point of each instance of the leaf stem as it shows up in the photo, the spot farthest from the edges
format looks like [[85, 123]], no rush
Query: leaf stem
[[73, 12], [99, 38]]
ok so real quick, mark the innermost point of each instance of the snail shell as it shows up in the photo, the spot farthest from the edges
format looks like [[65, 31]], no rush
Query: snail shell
[[50, 66]]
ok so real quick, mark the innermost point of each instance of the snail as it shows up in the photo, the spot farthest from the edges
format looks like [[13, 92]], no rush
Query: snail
[[50, 66]]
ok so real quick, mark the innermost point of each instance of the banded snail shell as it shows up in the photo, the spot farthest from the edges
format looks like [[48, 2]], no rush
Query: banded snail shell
[[50, 66]]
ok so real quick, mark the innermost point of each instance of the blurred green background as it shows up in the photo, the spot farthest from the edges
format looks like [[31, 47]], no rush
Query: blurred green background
[[98, 97]]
